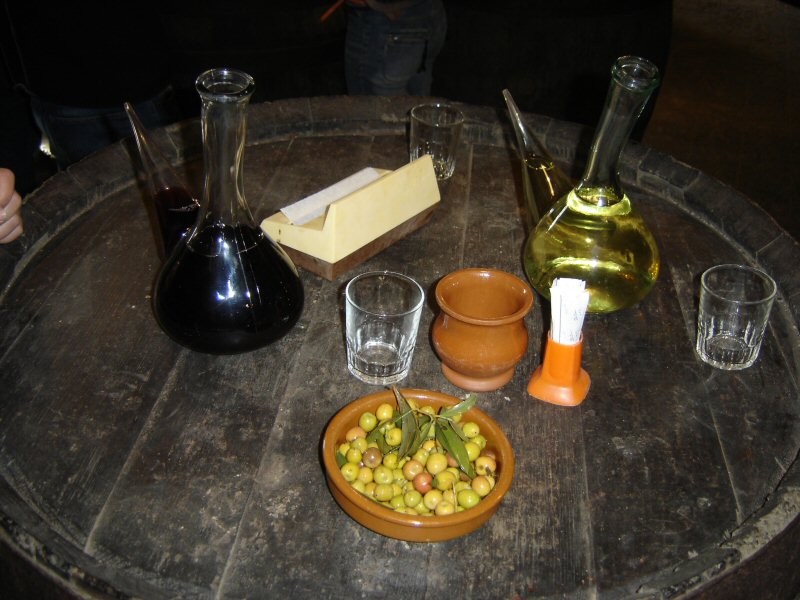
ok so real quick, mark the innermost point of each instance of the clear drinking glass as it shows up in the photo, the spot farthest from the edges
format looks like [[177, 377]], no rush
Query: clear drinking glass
[[382, 313], [735, 302], [436, 129]]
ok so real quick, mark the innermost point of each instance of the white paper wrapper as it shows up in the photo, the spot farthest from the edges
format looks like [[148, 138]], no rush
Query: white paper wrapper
[[568, 302], [313, 206]]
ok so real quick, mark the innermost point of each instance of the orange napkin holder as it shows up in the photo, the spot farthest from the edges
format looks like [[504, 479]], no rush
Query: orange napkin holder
[[560, 378]]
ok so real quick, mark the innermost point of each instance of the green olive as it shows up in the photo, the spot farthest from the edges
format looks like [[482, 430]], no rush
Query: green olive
[[412, 468], [485, 465], [381, 474], [444, 508], [383, 492], [481, 485], [432, 498], [412, 498], [367, 421], [421, 456], [390, 460], [468, 498], [469, 429], [384, 411], [365, 475], [360, 444], [436, 463], [349, 472], [473, 450], [394, 436], [353, 456], [480, 440], [444, 480]]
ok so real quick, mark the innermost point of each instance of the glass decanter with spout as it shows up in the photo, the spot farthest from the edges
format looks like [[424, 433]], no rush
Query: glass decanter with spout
[[228, 288], [593, 232]]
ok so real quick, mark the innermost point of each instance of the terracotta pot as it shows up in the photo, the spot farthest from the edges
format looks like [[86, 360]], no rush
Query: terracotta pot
[[480, 333]]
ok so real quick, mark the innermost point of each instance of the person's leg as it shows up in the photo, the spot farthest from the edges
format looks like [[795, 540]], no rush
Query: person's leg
[[420, 83], [383, 55], [76, 132]]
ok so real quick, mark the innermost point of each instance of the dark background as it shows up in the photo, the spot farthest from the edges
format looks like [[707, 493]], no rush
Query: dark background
[[727, 104]]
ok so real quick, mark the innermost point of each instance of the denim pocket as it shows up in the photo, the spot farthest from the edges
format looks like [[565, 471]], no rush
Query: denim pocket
[[404, 55]]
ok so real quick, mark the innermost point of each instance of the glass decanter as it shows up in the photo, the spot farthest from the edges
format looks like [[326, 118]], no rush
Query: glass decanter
[[229, 288], [593, 232]]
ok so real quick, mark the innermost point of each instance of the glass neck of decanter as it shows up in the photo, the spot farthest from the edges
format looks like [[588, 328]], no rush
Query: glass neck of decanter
[[632, 82], [225, 96]]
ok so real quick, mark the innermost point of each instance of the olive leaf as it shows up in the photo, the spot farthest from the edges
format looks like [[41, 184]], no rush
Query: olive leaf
[[340, 459], [460, 408], [426, 430], [409, 425], [377, 436], [425, 422], [450, 441]]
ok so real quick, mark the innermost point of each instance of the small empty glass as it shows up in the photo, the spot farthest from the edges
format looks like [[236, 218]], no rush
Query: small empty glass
[[735, 302], [435, 129], [382, 313]]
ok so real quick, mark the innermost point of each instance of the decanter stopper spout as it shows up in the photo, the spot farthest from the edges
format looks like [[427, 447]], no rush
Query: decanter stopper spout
[[174, 206], [542, 180]]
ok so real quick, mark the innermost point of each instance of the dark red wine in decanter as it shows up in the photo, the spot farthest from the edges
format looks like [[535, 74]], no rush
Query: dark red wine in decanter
[[176, 210]]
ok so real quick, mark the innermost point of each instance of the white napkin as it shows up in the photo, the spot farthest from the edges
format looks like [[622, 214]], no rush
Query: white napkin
[[568, 302], [313, 206]]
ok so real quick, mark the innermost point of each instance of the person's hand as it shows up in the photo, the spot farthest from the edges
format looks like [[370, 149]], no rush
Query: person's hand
[[10, 205]]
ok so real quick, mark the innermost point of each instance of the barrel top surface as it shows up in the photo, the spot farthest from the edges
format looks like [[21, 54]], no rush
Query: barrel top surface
[[130, 466]]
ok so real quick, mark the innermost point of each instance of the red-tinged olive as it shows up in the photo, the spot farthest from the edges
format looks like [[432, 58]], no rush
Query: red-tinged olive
[[372, 457], [422, 482], [412, 468], [355, 433]]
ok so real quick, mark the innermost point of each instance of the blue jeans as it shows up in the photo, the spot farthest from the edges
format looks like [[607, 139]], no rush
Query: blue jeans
[[391, 57], [76, 132]]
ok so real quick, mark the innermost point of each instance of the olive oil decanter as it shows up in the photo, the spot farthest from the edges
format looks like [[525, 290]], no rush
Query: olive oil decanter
[[593, 233]]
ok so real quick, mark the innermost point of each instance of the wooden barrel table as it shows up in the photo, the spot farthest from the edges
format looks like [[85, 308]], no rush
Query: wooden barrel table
[[133, 467]]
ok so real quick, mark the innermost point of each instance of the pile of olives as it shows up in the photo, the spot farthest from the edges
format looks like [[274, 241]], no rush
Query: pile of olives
[[429, 481]]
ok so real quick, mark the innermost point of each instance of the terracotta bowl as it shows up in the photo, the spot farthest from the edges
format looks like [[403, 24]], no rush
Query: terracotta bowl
[[414, 528]]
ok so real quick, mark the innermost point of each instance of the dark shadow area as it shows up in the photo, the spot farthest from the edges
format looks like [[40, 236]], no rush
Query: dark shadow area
[[729, 105], [554, 57]]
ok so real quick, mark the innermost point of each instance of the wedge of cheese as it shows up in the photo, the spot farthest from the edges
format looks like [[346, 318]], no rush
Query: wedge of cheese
[[362, 216]]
